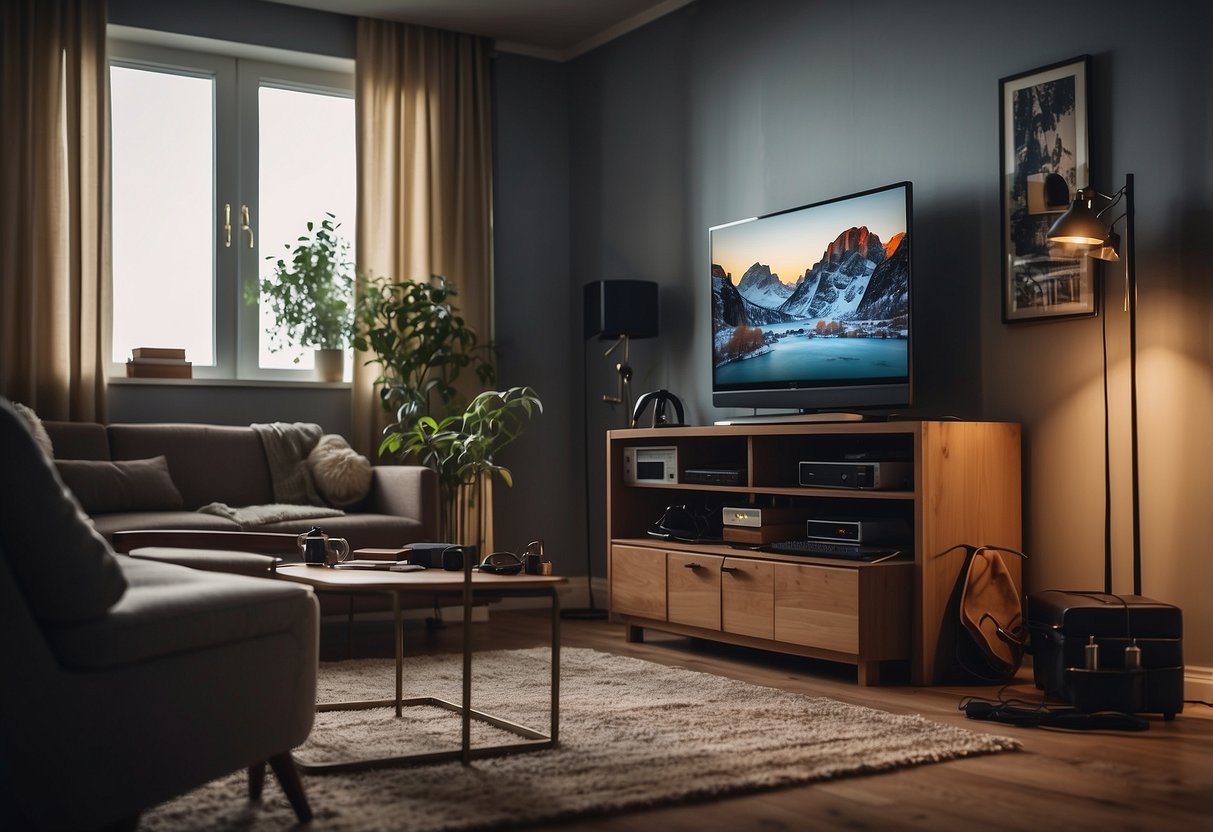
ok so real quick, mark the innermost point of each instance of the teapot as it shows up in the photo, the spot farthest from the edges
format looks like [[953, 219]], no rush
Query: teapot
[[321, 550]]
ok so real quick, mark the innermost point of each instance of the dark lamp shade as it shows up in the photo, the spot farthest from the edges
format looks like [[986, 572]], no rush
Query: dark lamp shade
[[614, 308], [1079, 225]]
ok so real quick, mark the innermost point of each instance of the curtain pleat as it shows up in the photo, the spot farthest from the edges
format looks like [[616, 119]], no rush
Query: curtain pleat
[[54, 207], [422, 98]]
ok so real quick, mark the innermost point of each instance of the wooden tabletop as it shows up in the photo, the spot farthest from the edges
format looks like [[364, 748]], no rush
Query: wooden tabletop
[[426, 580]]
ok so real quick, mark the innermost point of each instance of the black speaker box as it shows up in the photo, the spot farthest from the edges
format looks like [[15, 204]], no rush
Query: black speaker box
[[621, 307], [439, 555], [1063, 623]]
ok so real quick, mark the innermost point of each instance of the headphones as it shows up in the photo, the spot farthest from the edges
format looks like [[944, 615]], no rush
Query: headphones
[[680, 523], [659, 398], [501, 563]]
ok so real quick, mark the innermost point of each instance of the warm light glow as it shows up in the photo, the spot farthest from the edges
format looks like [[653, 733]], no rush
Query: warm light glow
[[1079, 225]]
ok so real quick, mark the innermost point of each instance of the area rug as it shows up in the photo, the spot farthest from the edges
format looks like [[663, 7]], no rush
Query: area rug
[[633, 734]]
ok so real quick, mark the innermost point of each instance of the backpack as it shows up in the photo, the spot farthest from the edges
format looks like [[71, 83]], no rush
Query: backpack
[[992, 637]]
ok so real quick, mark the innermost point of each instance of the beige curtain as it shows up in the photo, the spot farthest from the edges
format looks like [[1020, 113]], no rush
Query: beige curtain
[[424, 182], [54, 206]]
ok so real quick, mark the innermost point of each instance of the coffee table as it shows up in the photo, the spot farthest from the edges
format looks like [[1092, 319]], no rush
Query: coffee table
[[470, 585]]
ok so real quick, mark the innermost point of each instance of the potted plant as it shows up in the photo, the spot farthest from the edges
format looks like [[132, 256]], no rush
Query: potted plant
[[462, 448], [417, 335], [310, 295]]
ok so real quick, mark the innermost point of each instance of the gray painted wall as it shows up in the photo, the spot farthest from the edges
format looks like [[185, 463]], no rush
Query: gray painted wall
[[722, 110], [614, 165]]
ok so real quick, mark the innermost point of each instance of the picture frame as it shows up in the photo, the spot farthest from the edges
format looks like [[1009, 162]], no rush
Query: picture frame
[[1045, 128]]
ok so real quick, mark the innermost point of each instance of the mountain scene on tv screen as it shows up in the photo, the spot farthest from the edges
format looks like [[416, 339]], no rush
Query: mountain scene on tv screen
[[859, 288]]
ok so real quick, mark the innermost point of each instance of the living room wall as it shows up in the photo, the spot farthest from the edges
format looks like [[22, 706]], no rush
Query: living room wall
[[723, 110], [615, 164]]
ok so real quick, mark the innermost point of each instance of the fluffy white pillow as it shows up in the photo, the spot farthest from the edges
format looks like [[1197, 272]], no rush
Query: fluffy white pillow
[[41, 437], [342, 475]]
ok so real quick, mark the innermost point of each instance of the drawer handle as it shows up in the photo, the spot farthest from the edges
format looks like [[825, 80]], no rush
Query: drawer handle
[[692, 565], [729, 569]]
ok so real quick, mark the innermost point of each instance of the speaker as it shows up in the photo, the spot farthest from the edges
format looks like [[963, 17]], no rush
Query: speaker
[[446, 556], [621, 307]]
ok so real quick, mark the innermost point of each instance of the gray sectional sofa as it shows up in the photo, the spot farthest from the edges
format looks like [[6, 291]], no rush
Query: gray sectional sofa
[[128, 488]]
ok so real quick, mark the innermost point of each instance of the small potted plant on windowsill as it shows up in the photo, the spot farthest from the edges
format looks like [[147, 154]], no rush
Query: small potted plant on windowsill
[[311, 297]]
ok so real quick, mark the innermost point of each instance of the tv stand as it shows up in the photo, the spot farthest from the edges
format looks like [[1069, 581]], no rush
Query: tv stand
[[893, 620], [791, 418]]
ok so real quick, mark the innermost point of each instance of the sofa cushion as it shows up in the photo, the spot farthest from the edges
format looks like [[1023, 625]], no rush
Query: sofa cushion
[[65, 569], [121, 485], [170, 609], [363, 531], [342, 475], [208, 463], [78, 440]]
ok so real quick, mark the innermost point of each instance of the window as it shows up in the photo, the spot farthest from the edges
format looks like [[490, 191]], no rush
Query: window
[[219, 163]]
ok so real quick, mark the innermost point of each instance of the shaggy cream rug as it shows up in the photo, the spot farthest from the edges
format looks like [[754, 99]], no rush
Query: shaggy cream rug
[[633, 734]]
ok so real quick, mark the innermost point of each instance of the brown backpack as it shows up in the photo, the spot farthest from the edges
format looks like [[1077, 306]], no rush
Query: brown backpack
[[991, 643]]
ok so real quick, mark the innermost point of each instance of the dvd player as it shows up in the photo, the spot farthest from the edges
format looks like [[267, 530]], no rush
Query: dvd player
[[714, 476]]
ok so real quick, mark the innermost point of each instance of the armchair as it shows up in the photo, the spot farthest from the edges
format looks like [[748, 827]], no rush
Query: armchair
[[127, 681]]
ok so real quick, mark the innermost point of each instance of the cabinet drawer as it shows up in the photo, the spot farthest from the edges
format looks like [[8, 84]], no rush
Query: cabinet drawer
[[693, 583], [747, 604], [638, 582], [817, 606]]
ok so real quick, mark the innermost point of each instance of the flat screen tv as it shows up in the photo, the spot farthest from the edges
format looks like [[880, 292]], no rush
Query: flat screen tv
[[811, 306]]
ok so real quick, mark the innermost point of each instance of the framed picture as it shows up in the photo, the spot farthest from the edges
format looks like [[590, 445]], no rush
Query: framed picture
[[1044, 127]]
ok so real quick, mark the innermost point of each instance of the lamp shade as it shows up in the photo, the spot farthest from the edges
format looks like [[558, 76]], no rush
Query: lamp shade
[[1079, 225], [614, 308]]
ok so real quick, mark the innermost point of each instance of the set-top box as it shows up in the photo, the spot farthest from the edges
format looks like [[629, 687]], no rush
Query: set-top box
[[879, 476], [643, 464]]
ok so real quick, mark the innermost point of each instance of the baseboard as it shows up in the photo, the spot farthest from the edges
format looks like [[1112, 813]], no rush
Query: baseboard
[[1198, 683], [573, 595]]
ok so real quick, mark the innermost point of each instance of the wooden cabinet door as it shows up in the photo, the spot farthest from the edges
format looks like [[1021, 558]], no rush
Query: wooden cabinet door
[[693, 585], [817, 606], [638, 582], [747, 601]]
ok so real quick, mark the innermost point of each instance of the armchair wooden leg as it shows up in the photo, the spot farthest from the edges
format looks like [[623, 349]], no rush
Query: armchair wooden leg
[[256, 780], [288, 777]]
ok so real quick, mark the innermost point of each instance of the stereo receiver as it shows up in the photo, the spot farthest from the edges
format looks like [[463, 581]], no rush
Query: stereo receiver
[[879, 476], [650, 464]]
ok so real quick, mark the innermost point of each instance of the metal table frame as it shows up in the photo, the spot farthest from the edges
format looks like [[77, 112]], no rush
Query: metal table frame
[[472, 587]]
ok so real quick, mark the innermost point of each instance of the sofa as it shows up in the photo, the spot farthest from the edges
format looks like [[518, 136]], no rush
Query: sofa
[[117, 473], [130, 681]]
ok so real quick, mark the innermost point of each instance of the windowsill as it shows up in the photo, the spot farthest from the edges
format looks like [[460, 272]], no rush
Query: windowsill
[[234, 382]]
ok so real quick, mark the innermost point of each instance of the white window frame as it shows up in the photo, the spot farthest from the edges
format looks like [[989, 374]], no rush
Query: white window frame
[[239, 72]]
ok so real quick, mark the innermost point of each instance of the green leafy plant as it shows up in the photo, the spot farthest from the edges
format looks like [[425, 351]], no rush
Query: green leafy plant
[[462, 448], [311, 291], [422, 344]]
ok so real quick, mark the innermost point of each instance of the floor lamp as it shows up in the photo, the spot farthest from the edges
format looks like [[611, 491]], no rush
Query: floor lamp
[[618, 311], [1082, 225]]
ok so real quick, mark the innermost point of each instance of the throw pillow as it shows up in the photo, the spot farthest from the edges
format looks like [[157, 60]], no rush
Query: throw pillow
[[342, 475], [36, 428], [121, 485], [63, 567]]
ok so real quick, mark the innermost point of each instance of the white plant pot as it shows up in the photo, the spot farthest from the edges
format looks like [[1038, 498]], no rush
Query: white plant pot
[[330, 364]]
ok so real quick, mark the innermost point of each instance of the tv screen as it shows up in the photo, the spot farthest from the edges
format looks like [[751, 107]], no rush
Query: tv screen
[[811, 306]]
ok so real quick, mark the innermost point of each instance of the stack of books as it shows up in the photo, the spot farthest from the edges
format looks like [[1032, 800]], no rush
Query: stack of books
[[158, 362]]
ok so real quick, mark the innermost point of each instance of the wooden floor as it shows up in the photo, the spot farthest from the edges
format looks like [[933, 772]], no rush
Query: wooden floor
[[1160, 779]]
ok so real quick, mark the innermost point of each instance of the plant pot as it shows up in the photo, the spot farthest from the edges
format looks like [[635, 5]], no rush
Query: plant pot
[[330, 364]]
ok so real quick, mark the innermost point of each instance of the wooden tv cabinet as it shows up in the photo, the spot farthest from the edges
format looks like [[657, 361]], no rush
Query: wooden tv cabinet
[[883, 617]]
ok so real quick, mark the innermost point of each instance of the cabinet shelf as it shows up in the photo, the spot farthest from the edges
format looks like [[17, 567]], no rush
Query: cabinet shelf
[[965, 490]]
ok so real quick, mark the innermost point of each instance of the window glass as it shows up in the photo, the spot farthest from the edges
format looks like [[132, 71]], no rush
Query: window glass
[[202, 143], [307, 170], [163, 204]]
